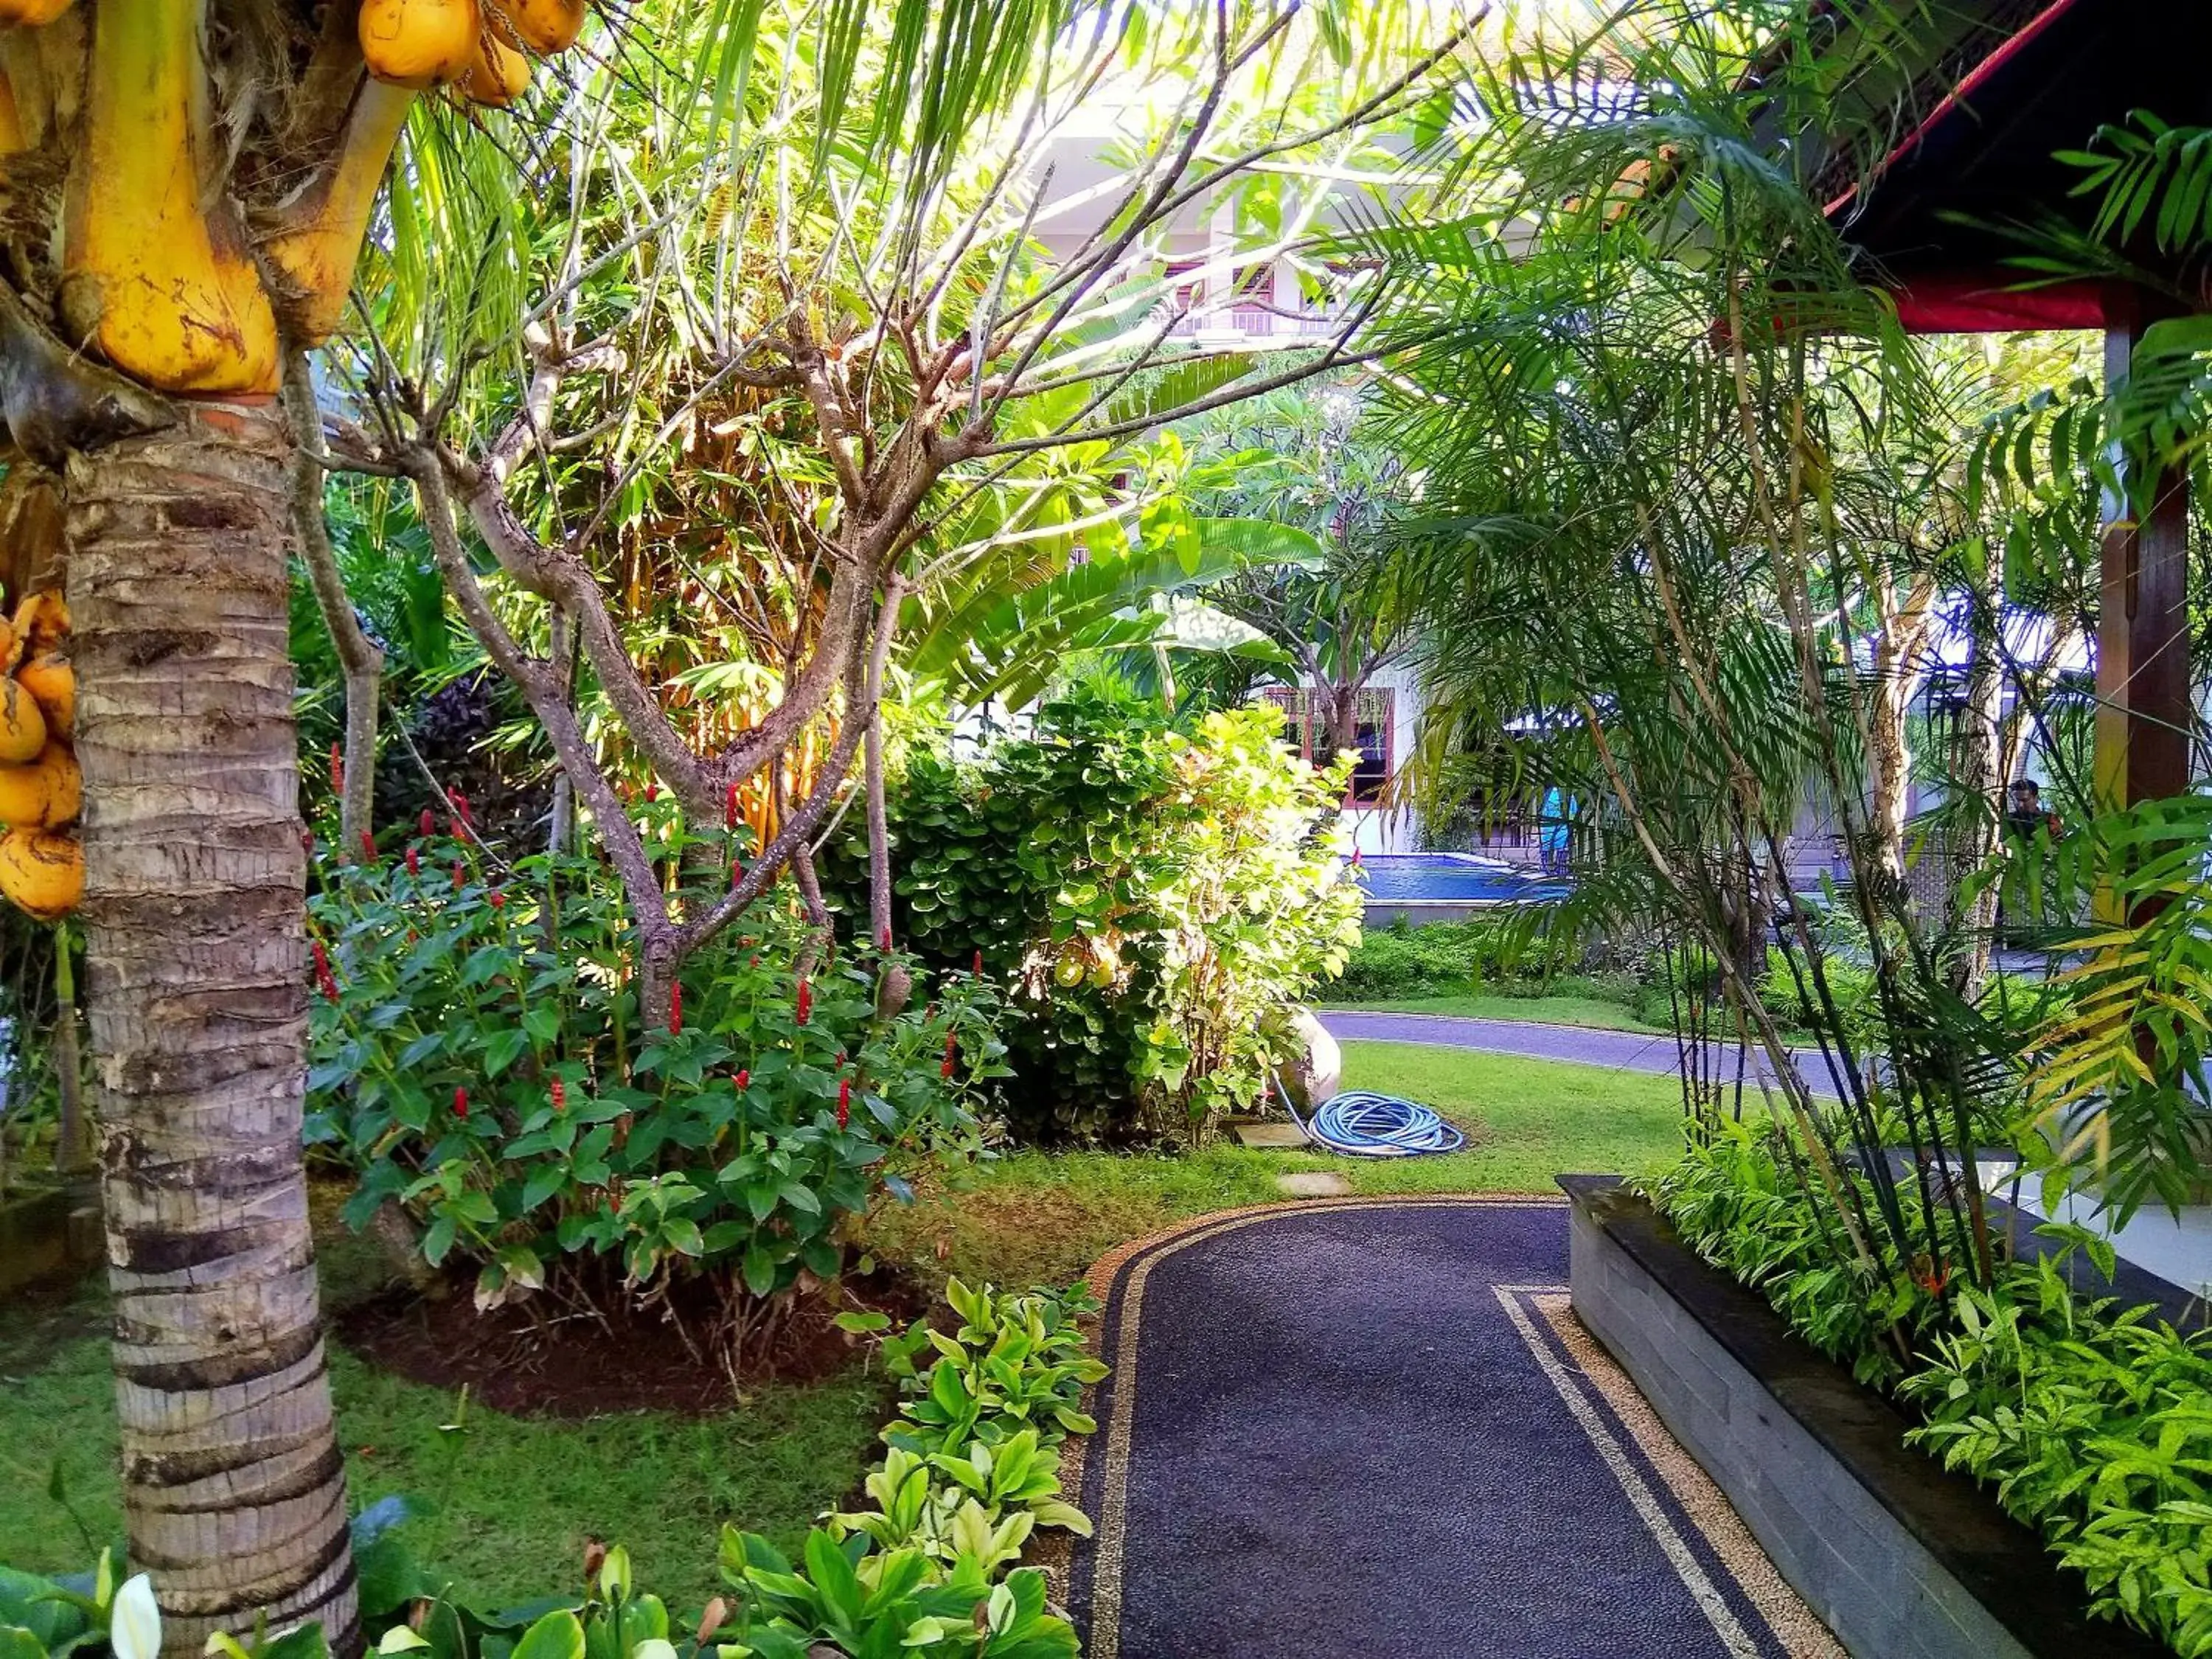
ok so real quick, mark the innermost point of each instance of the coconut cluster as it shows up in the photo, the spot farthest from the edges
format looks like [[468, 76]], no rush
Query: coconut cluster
[[480, 48], [41, 791]]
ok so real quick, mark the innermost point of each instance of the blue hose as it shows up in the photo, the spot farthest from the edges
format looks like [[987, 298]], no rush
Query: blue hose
[[1365, 1124]]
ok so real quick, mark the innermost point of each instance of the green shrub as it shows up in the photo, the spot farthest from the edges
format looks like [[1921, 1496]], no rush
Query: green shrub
[[480, 1059], [1148, 895], [1404, 961]]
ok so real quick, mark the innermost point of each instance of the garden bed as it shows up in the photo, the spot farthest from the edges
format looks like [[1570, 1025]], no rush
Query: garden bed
[[1901, 1558], [48, 1238], [539, 1358]]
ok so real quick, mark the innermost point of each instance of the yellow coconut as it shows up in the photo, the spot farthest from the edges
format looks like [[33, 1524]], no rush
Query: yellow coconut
[[52, 684], [31, 14], [47, 792], [43, 872], [419, 43], [23, 727], [544, 26], [499, 74]]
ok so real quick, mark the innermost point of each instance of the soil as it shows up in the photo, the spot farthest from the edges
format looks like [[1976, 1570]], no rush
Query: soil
[[538, 1359]]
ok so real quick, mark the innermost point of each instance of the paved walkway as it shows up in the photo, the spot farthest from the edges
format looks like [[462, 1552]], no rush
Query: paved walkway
[[1619, 1051], [1374, 1429]]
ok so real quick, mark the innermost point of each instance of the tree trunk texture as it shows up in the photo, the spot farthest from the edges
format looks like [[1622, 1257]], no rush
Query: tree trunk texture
[[359, 659], [234, 1489]]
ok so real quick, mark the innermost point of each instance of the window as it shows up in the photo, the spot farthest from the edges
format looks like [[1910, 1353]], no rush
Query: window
[[1297, 718], [1370, 739]]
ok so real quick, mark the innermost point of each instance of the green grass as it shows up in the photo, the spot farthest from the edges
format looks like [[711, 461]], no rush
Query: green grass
[[1048, 1216], [1601, 1013], [510, 1502], [513, 1501]]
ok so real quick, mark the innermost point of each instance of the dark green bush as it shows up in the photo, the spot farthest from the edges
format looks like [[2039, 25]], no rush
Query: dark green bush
[[480, 1059], [1148, 896]]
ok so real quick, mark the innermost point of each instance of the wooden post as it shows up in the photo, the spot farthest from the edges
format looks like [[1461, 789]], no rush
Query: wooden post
[[2143, 711]]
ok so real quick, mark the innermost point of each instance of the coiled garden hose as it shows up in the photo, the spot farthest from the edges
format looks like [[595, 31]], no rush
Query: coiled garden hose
[[1364, 1124]]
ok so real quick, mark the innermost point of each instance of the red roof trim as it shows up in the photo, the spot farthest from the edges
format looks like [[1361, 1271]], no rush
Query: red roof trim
[[1968, 85], [1980, 303]]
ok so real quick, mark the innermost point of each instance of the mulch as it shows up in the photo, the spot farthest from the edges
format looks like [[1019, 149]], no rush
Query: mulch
[[538, 1358]]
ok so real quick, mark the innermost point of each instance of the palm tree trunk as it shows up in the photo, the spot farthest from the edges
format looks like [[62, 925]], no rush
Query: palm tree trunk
[[234, 1489]]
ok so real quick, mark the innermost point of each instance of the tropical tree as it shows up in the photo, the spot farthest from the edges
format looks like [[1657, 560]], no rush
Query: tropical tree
[[190, 183], [1297, 459], [905, 396]]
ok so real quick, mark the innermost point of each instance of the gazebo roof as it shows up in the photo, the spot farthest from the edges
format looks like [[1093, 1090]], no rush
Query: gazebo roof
[[1937, 149]]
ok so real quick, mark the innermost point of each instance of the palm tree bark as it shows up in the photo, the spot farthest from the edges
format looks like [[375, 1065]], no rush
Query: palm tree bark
[[234, 1488]]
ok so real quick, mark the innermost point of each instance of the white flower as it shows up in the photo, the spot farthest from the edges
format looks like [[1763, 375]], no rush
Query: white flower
[[134, 1623]]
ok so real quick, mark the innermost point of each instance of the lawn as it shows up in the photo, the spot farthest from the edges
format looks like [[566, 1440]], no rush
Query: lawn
[[511, 1502], [1602, 1013], [1039, 1216]]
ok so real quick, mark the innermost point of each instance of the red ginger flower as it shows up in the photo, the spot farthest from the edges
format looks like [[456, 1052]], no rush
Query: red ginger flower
[[338, 771], [951, 1048], [730, 809], [806, 1002], [675, 1007], [460, 1102], [886, 940], [498, 899], [844, 1101], [414, 862], [368, 847], [651, 793], [736, 874], [323, 978], [457, 875], [744, 1078], [559, 1093], [979, 965], [427, 824]]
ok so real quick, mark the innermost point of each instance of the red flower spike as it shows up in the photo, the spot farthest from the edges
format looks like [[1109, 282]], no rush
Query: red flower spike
[[729, 810], [323, 978], [754, 962], [306, 841], [675, 1007], [886, 940], [736, 874], [460, 1102], [368, 847], [559, 1093], [806, 1002], [457, 875], [744, 1078], [498, 899], [844, 1101], [338, 771], [461, 807], [652, 793], [979, 965], [427, 824], [414, 862]]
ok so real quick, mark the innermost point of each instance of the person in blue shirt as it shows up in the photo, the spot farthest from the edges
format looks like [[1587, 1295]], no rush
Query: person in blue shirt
[[1552, 835]]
